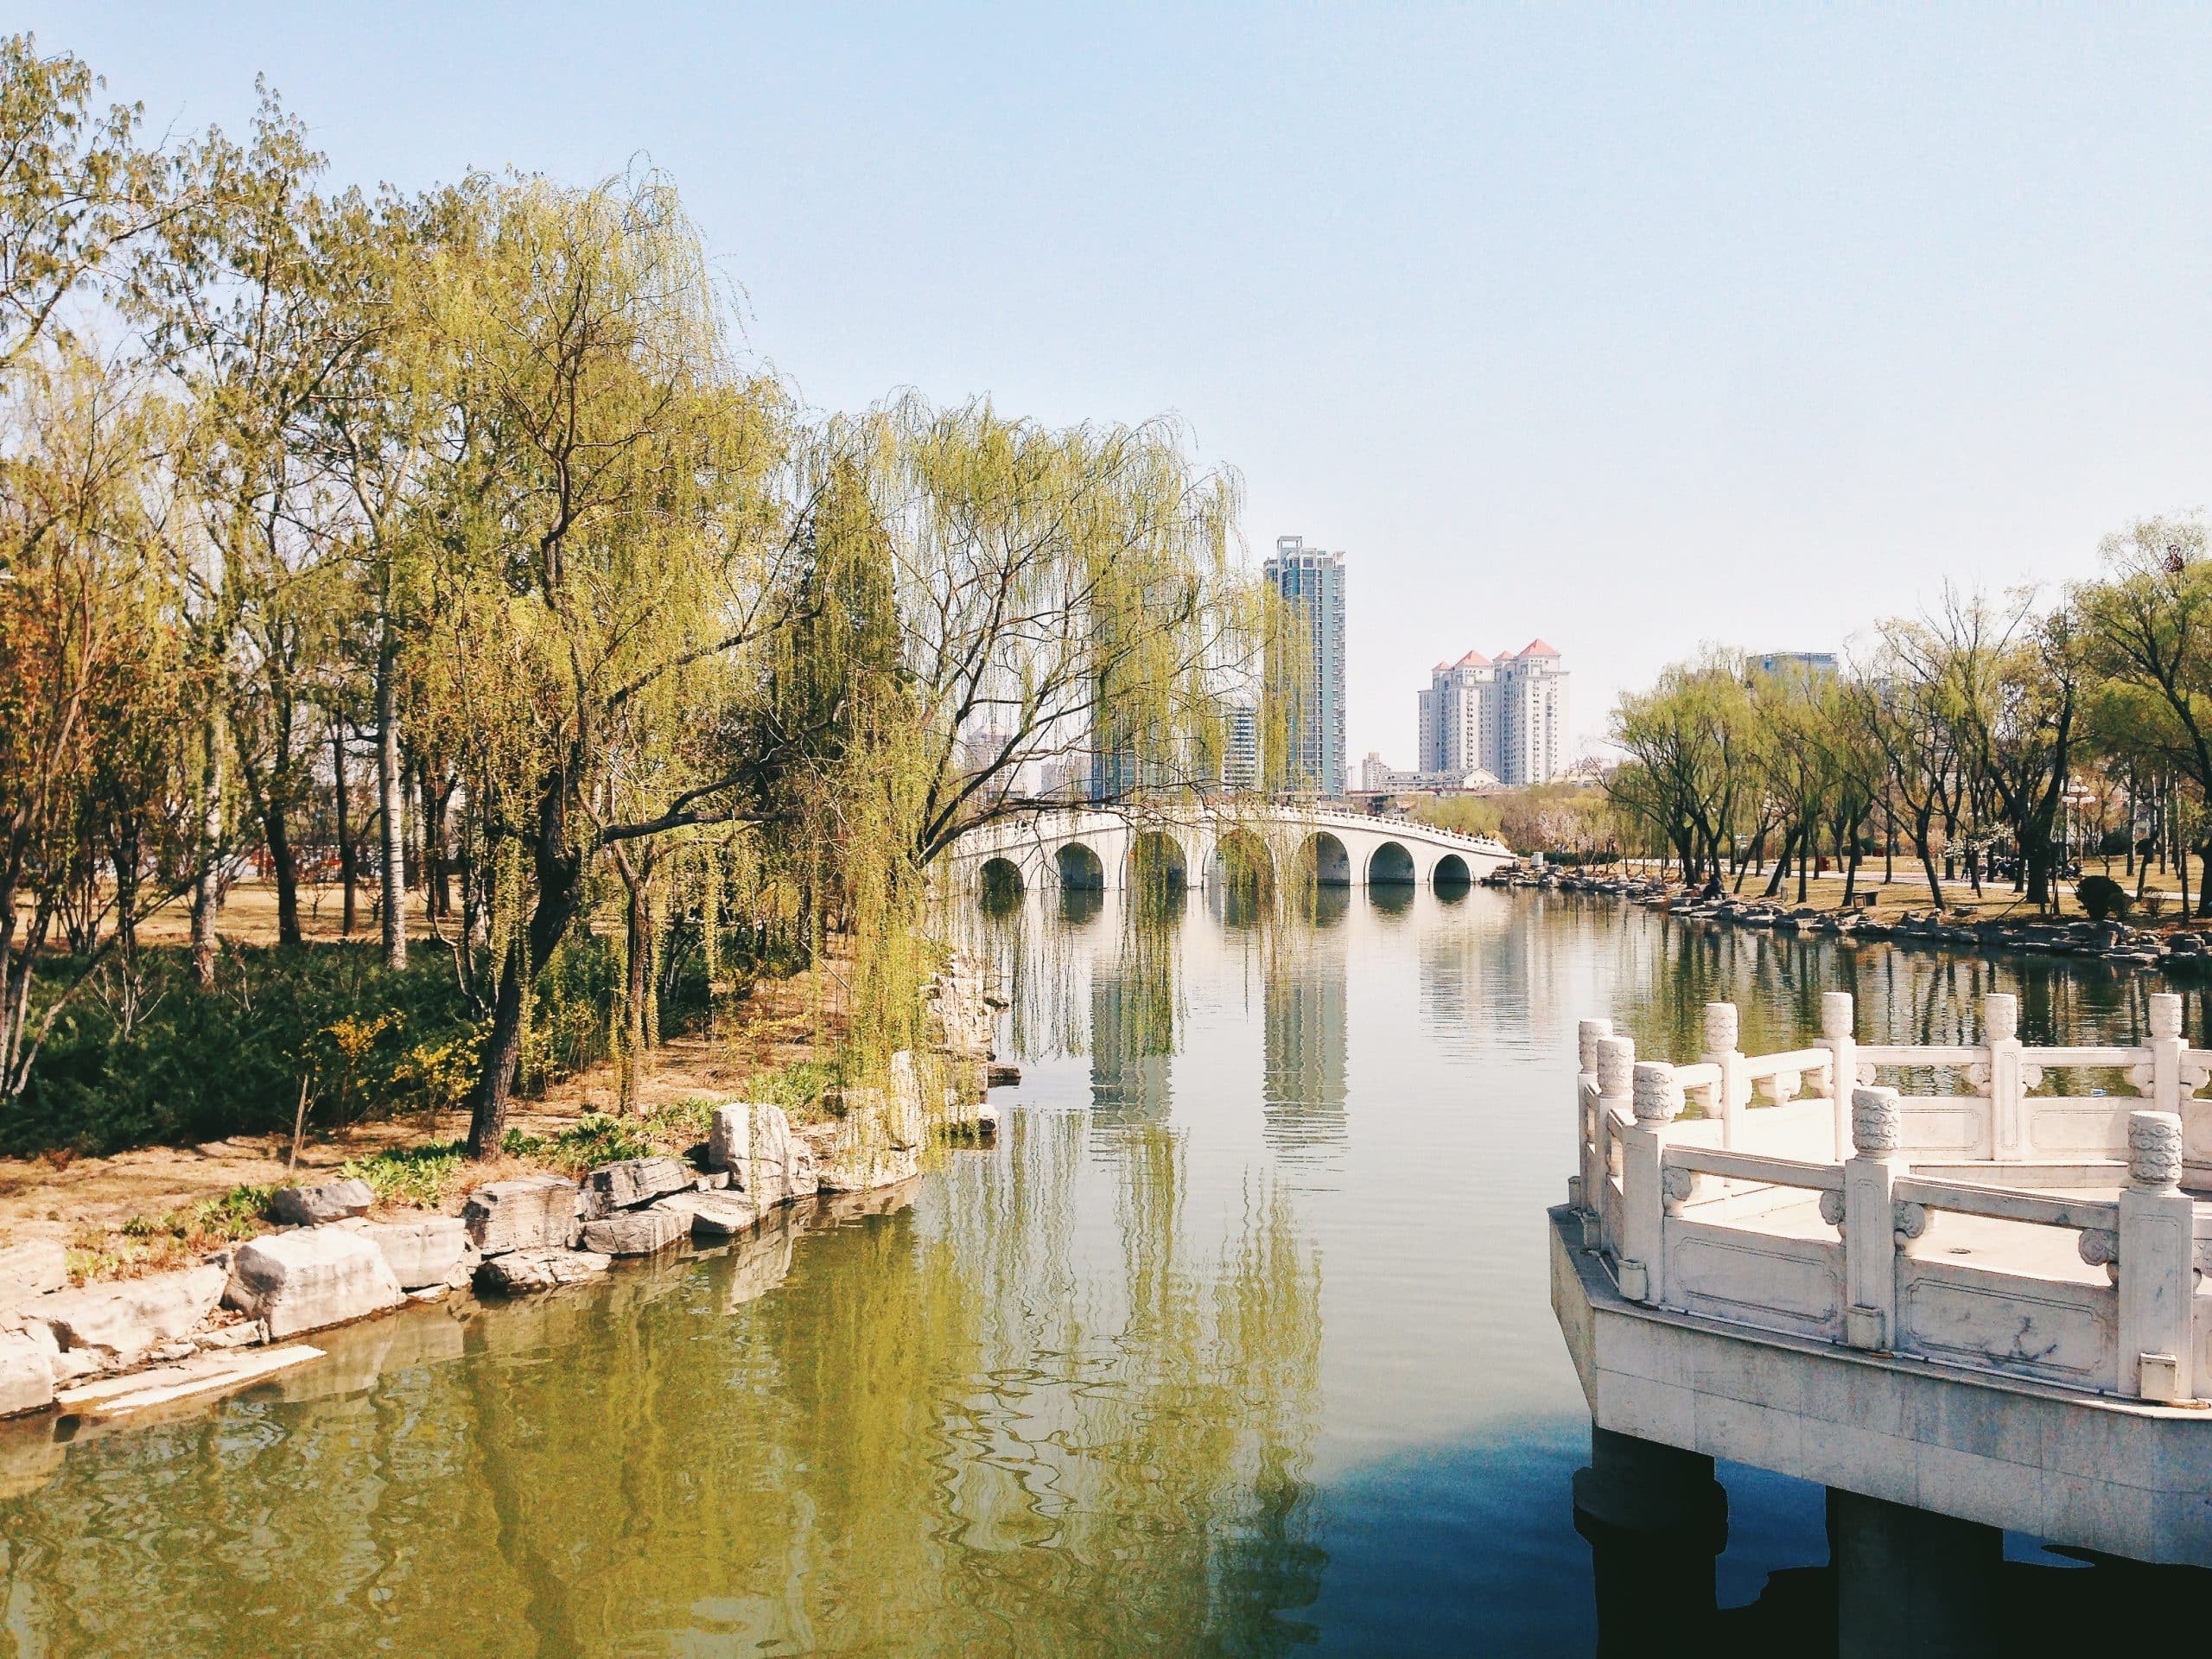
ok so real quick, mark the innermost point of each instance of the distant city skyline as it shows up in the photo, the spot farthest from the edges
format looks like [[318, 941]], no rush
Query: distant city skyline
[[1695, 325]]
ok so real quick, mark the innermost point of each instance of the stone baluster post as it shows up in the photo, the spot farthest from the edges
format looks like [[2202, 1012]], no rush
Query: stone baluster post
[[1836, 1019], [2008, 1124], [1656, 1102], [2172, 1091], [1720, 1029], [1616, 1095], [2157, 1263], [1867, 1217], [1589, 1142]]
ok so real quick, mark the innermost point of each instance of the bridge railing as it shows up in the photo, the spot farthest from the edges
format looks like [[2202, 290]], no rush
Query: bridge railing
[[1932, 1224]]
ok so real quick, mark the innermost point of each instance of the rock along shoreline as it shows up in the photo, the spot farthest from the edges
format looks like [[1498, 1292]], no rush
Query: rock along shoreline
[[108, 1349], [2184, 953]]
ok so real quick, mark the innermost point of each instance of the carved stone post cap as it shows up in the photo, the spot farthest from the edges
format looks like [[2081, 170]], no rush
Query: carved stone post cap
[[1616, 1065], [1588, 1033], [2165, 1015], [1837, 1013], [1658, 1097], [2154, 1151], [1720, 1027], [2000, 1015], [1877, 1121]]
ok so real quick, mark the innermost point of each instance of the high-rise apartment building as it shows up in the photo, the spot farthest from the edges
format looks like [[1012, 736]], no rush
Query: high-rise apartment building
[[1240, 745], [1310, 679], [1504, 714]]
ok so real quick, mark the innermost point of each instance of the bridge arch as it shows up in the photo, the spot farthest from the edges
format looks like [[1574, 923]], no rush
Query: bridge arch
[[1079, 866], [1242, 861], [1157, 862], [1451, 874], [1390, 865], [999, 879], [1322, 861]]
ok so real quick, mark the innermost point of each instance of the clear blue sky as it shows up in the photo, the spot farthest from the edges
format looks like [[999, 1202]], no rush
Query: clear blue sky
[[1630, 328]]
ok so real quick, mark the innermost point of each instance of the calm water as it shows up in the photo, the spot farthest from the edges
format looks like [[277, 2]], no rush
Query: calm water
[[1239, 1343]]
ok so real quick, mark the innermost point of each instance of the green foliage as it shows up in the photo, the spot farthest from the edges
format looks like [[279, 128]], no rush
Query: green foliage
[[800, 1088], [1470, 814], [177, 1064], [601, 1138], [420, 1177], [2103, 897]]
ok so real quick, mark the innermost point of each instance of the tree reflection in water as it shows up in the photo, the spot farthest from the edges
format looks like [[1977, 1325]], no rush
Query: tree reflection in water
[[1069, 1396]]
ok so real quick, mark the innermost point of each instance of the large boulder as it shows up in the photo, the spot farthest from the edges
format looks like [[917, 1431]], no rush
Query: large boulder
[[708, 1215], [32, 1269], [123, 1320], [309, 1278], [433, 1251], [633, 1184], [634, 1232], [532, 1212], [26, 1375], [519, 1273], [863, 1151], [754, 1143], [311, 1206]]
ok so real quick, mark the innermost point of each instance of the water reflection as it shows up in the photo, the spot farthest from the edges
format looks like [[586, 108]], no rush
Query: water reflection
[[1239, 1343]]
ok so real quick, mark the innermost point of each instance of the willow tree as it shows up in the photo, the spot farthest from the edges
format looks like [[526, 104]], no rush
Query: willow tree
[[1688, 740], [995, 604], [607, 541]]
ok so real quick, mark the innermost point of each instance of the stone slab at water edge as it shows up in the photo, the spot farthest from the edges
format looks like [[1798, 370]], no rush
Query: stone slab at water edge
[[308, 1278], [632, 1183], [118, 1323], [634, 1232], [533, 1212], [709, 1215], [433, 1251], [519, 1273]]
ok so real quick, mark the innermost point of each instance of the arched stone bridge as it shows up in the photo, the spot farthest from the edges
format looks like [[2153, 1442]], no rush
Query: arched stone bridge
[[1100, 848]]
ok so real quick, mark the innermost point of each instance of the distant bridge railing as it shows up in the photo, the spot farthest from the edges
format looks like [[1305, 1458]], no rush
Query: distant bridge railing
[[1792, 1194]]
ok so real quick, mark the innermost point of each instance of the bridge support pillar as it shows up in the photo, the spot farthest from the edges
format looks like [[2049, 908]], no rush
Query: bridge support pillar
[[1911, 1582], [1655, 1519]]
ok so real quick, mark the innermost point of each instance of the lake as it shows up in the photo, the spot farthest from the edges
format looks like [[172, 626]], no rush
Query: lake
[[1239, 1342]]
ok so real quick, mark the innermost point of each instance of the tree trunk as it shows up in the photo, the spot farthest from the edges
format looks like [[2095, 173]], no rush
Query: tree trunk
[[349, 859], [560, 872], [284, 861], [208, 888], [1928, 864], [637, 984], [390, 791], [1781, 872]]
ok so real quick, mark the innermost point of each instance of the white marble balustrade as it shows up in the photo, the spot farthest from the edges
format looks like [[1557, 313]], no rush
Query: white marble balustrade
[[2051, 1238]]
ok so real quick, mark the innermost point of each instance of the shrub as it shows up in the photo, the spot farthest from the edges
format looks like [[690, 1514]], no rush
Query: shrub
[[2102, 897], [417, 1176], [185, 1065]]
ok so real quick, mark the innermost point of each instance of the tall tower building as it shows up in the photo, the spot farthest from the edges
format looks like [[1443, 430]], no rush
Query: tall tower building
[[1311, 683]]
